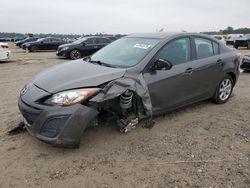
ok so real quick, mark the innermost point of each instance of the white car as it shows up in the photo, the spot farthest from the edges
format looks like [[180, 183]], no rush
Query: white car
[[220, 38], [232, 37], [4, 51]]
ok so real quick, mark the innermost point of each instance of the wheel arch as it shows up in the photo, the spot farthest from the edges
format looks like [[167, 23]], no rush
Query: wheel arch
[[233, 77]]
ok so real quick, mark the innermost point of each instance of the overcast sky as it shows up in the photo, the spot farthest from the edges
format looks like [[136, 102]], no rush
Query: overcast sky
[[121, 16]]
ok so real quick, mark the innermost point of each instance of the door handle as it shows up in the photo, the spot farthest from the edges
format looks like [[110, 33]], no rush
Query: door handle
[[219, 62], [188, 71]]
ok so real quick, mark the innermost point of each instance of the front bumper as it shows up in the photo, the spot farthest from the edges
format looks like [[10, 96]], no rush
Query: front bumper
[[56, 125], [245, 63], [62, 53]]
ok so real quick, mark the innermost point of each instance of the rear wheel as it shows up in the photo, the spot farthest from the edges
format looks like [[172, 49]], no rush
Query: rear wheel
[[34, 49], [75, 54], [224, 90]]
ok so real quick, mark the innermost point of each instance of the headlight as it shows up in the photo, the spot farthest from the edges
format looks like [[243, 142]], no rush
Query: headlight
[[71, 97], [64, 48], [26, 45]]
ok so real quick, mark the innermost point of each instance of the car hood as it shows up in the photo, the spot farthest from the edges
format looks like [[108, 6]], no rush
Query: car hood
[[30, 42], [75, 74], [66, 45]]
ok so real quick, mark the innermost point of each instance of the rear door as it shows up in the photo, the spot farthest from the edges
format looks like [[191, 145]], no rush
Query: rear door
[[45, 44], [55, 43], [206, 68]]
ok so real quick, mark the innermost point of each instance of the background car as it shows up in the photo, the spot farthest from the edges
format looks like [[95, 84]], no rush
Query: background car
[[4, 51], [5, 39], [246, 62], [21, 42], [48, 43], [243, 42], [82, 47], [232, 37], [220, 38], [16, 39]]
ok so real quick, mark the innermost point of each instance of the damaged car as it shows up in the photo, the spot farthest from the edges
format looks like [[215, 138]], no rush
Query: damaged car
[[130, 80]]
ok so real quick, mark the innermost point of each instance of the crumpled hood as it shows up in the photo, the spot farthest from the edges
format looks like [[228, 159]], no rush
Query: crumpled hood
[[75, 74]]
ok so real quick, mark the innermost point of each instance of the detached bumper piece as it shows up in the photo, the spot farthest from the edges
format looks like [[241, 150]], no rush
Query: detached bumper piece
[[58, 126]]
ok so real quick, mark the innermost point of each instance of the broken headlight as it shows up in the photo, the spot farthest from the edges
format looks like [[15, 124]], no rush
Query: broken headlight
[[70, 97]]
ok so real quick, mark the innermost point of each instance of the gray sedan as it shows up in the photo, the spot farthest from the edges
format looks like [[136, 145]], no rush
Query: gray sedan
[[130, 80]]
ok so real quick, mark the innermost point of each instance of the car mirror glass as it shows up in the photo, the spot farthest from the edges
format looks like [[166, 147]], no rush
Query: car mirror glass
[[161, 64]]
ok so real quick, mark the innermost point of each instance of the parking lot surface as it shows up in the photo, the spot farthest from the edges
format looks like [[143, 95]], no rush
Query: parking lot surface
[[203, 145]]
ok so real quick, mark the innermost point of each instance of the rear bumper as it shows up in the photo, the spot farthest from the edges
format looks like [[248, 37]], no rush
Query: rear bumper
[[229, 42], [55, 125], [241, 43], [5, 55]]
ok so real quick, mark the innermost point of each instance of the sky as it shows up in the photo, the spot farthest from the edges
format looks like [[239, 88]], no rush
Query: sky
[[121, 16]]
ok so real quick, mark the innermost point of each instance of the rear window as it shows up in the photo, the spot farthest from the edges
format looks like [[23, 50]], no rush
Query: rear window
[[204, 47]]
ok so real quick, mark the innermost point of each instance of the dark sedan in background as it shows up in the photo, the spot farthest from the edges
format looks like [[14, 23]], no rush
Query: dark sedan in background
[[243, 42], [20, 43], [48, 43], [246, 62], [130, 80], [82, 47]]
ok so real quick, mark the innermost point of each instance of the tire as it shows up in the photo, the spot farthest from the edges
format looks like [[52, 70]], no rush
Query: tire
[[236, 46], [223, 90], [75, 54], [34, 49], [248, 46]]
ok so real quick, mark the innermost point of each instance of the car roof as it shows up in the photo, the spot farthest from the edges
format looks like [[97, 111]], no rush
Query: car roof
[[163, 35]]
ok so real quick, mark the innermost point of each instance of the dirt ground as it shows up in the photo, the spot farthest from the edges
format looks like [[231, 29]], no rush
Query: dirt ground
[[203, 145]]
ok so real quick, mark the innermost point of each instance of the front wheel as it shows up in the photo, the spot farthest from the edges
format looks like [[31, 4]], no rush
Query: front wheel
[[34, 49], [75, 54], [224, 90]]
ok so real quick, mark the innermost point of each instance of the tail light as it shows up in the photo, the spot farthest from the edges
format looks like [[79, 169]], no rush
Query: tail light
[[4, 46]]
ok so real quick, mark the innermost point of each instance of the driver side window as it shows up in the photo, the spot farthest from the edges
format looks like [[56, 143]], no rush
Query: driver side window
[[176, 52]]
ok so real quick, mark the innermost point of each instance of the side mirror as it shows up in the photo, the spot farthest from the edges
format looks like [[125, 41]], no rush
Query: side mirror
[[161, 64], [41, 42], [83, 44]]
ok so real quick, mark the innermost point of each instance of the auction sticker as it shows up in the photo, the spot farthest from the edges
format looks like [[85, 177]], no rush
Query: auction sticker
[[143, 46]]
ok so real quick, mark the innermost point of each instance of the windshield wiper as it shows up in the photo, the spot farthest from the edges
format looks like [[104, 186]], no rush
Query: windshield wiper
[[88, 59], [100, 63]]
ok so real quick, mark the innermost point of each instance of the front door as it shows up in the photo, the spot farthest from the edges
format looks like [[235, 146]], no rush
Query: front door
[[171, 88]]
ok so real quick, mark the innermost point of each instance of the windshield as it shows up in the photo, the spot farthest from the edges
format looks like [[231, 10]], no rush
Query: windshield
[[125, 52], [79, 41]]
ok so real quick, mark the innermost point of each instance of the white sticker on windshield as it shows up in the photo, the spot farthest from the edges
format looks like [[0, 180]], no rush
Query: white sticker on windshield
[[143, 46]]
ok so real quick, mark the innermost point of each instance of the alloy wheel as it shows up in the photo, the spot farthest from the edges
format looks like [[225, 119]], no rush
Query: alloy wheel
[[75, 54], [225, 89]]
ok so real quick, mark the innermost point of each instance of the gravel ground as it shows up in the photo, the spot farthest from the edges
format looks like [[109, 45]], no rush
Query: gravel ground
[[203, 145]]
